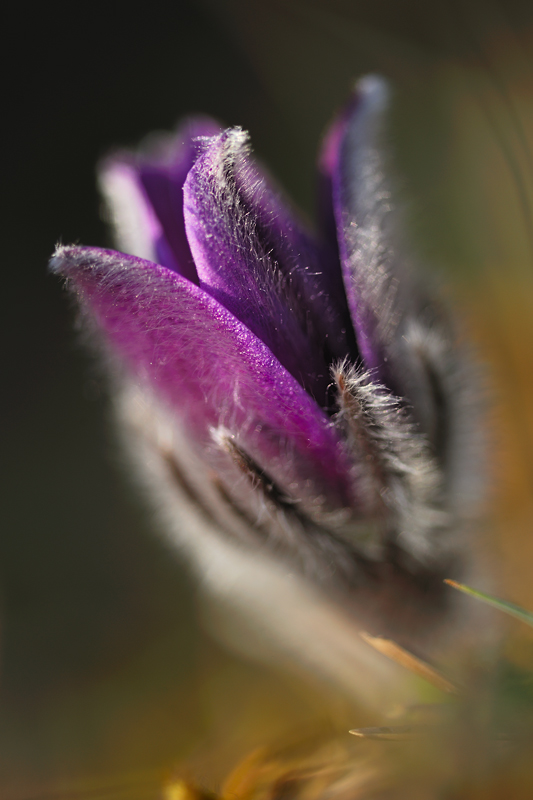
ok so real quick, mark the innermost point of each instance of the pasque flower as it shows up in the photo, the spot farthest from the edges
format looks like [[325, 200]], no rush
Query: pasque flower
[[319, 405]]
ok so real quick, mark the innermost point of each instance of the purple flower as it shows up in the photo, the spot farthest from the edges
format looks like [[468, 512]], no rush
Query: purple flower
[[302, 395]]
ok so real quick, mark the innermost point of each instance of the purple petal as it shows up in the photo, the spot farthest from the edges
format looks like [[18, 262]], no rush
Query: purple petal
[[312, 266], [255, 258], [144, 192], [211, 370], [352, 159], [389, 311]]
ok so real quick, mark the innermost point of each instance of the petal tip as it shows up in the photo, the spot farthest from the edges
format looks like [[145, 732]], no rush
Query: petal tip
[[59, 258], [373, 86], [67, 260]]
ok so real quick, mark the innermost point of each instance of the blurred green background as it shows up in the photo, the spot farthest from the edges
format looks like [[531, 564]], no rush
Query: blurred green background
[[107, 680]]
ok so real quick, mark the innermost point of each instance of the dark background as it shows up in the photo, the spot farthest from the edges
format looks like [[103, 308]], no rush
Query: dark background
[[104, 667]]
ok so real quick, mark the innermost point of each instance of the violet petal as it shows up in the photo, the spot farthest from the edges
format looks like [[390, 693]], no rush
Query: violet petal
[[312, 265], [387, 305], [353, 158], [144, 192], [255, 258], [210, 369]]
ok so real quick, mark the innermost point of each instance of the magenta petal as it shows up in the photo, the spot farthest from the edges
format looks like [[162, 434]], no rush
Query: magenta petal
[[209, 369], [145, 194], [254, 258]]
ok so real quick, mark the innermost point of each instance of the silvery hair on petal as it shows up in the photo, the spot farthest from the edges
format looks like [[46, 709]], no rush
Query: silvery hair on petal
[[300, 407]]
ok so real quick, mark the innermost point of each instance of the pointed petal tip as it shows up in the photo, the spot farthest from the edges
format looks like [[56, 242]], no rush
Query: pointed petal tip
[[65, 254], [70, 261], [371, 90], [236, 136], [60, 257], [228, 145], [372, 86]]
